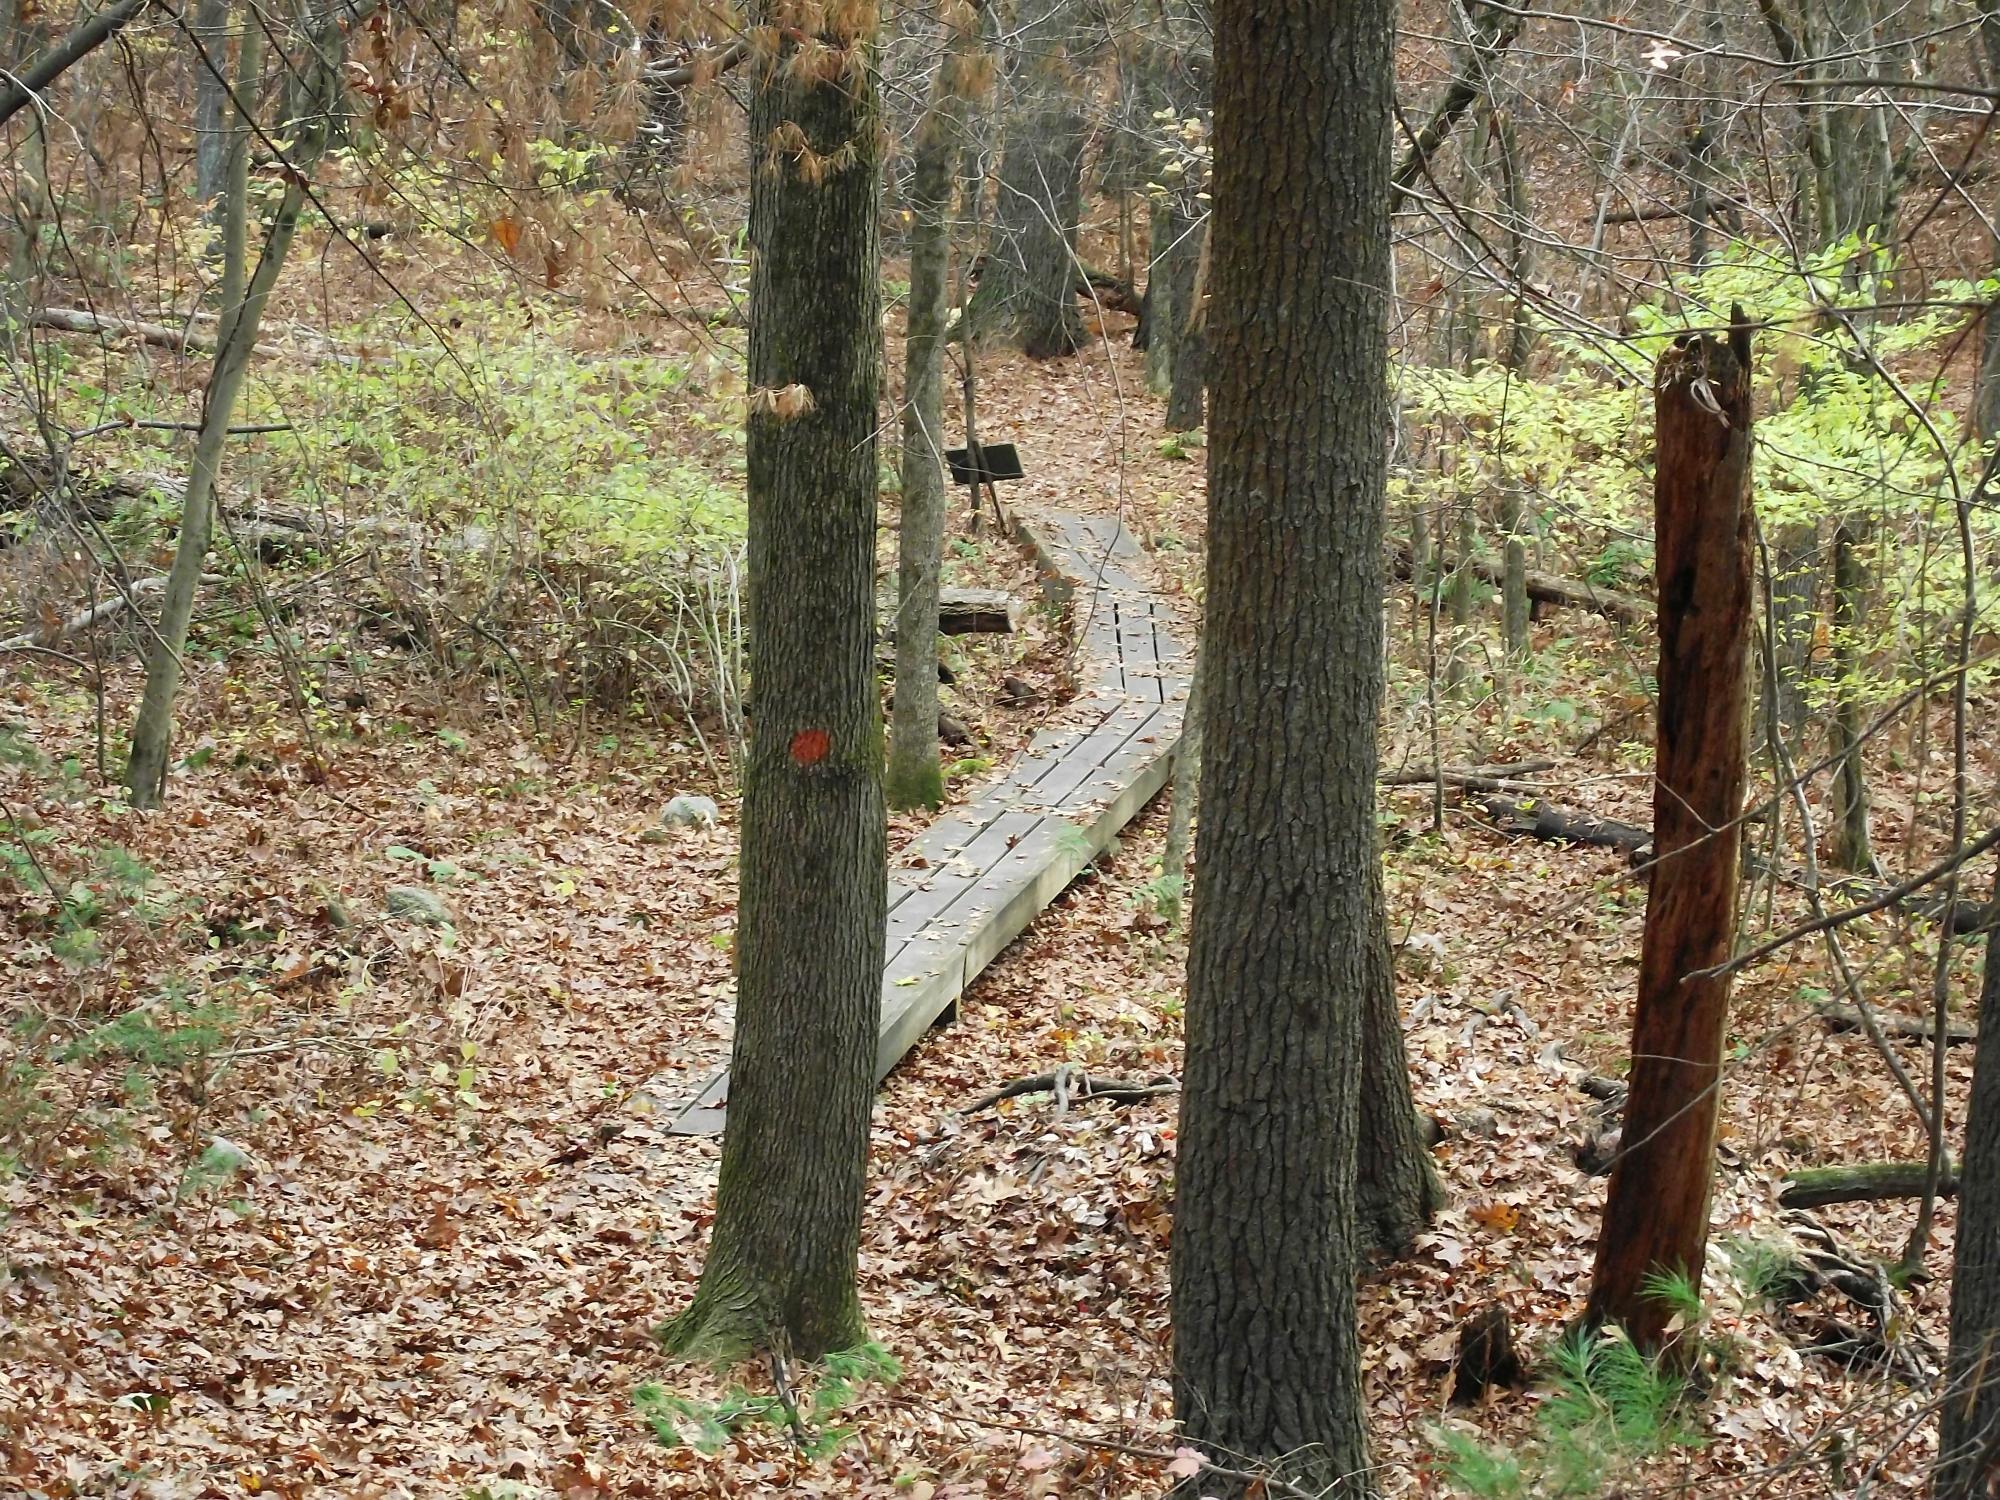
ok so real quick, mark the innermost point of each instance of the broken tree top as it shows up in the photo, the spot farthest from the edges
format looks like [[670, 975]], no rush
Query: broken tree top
[[984, 463]]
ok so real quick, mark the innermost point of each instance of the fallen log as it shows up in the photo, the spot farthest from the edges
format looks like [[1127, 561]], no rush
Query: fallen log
[[95, 614], [1102, 289], [1652, 215], [180, 340], [1862, 1182], [1549, 588], [1906, 1028], [1534, 818], [978, 612], [1471, 778]]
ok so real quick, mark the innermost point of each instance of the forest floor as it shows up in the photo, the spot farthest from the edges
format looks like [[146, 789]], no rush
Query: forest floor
[[306, 1199]]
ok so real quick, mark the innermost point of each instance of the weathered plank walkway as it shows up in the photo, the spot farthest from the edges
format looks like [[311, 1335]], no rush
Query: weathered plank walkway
[[976, 879]]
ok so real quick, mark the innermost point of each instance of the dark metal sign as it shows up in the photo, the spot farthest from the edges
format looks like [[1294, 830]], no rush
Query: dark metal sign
[[984, 464]]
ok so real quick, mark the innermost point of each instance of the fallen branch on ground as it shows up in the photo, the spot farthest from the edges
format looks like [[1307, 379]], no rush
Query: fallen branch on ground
[[1494, 778], [1548, 588], [1537, 819], [95, 614], [1068, 1083], [180, 340], [1909, 1028], [1862, 1182]]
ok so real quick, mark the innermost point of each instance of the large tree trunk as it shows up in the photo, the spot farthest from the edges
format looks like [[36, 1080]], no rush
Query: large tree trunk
[[1969, 1424], [1656, 1214], [1286, 923], [1187, 74], [1858, 189], [781, 1260], [1397, 1189], [1157, 322], [1514, 206], [1027, 285], [915, 778], [1186, 792], [315, 92]]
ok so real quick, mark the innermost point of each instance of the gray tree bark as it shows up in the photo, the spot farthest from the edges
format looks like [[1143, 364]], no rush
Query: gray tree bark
[[1027, 287], [780, 1273], [1795, 614], [210, 26], [915, 777], [1286, 920], [313, 98], [1186, 794], [1849, 847], [1968, 1465]]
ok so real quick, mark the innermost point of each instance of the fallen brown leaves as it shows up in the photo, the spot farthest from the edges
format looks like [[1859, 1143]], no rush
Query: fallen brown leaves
[[457, 1215]]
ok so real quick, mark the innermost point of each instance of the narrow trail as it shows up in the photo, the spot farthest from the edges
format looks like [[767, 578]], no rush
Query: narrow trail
[[975, 879]]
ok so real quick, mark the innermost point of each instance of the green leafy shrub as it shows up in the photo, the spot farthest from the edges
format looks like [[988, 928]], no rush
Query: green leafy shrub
[[531, 512]]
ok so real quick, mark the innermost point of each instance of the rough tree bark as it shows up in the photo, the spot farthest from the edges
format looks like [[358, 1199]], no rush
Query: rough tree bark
[[1188, 381], [1794, 605], [1028, 281], [1656, 1214], [1158, 319], [211, 104], [781, 1259], [1185, 794], [1397, 1190], [312, 100], [915, 777], [1266, 1351], [1848, 846], [1969, 1423]]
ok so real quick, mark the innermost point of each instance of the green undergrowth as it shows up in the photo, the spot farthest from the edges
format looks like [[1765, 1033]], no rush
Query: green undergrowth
[[1609, 1408], [1855, 422], [804, 1404]]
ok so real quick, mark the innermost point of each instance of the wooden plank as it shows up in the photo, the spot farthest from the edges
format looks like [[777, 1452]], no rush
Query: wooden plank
[[991, 868]]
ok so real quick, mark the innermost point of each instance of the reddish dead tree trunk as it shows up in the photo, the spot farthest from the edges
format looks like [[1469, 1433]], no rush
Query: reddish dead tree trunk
[[1656, 1216]]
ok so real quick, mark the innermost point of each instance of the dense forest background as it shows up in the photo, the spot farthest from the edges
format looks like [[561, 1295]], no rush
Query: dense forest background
[[400, 402]]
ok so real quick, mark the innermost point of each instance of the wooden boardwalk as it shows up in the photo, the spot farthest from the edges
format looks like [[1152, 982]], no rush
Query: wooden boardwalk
[[975, 879]]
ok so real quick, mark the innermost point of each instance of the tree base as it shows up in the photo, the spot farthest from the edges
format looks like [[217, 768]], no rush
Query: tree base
[[726, 1323], [911, 787]]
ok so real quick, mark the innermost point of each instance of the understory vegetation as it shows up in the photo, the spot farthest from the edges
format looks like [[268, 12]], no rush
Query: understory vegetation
[[404, 414]]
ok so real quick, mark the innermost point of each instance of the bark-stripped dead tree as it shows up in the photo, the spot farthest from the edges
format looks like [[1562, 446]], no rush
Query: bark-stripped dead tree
[[1656, 1214], [781, 1259]]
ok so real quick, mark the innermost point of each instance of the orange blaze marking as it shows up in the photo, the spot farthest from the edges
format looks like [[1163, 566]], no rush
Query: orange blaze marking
[[809, 746]]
